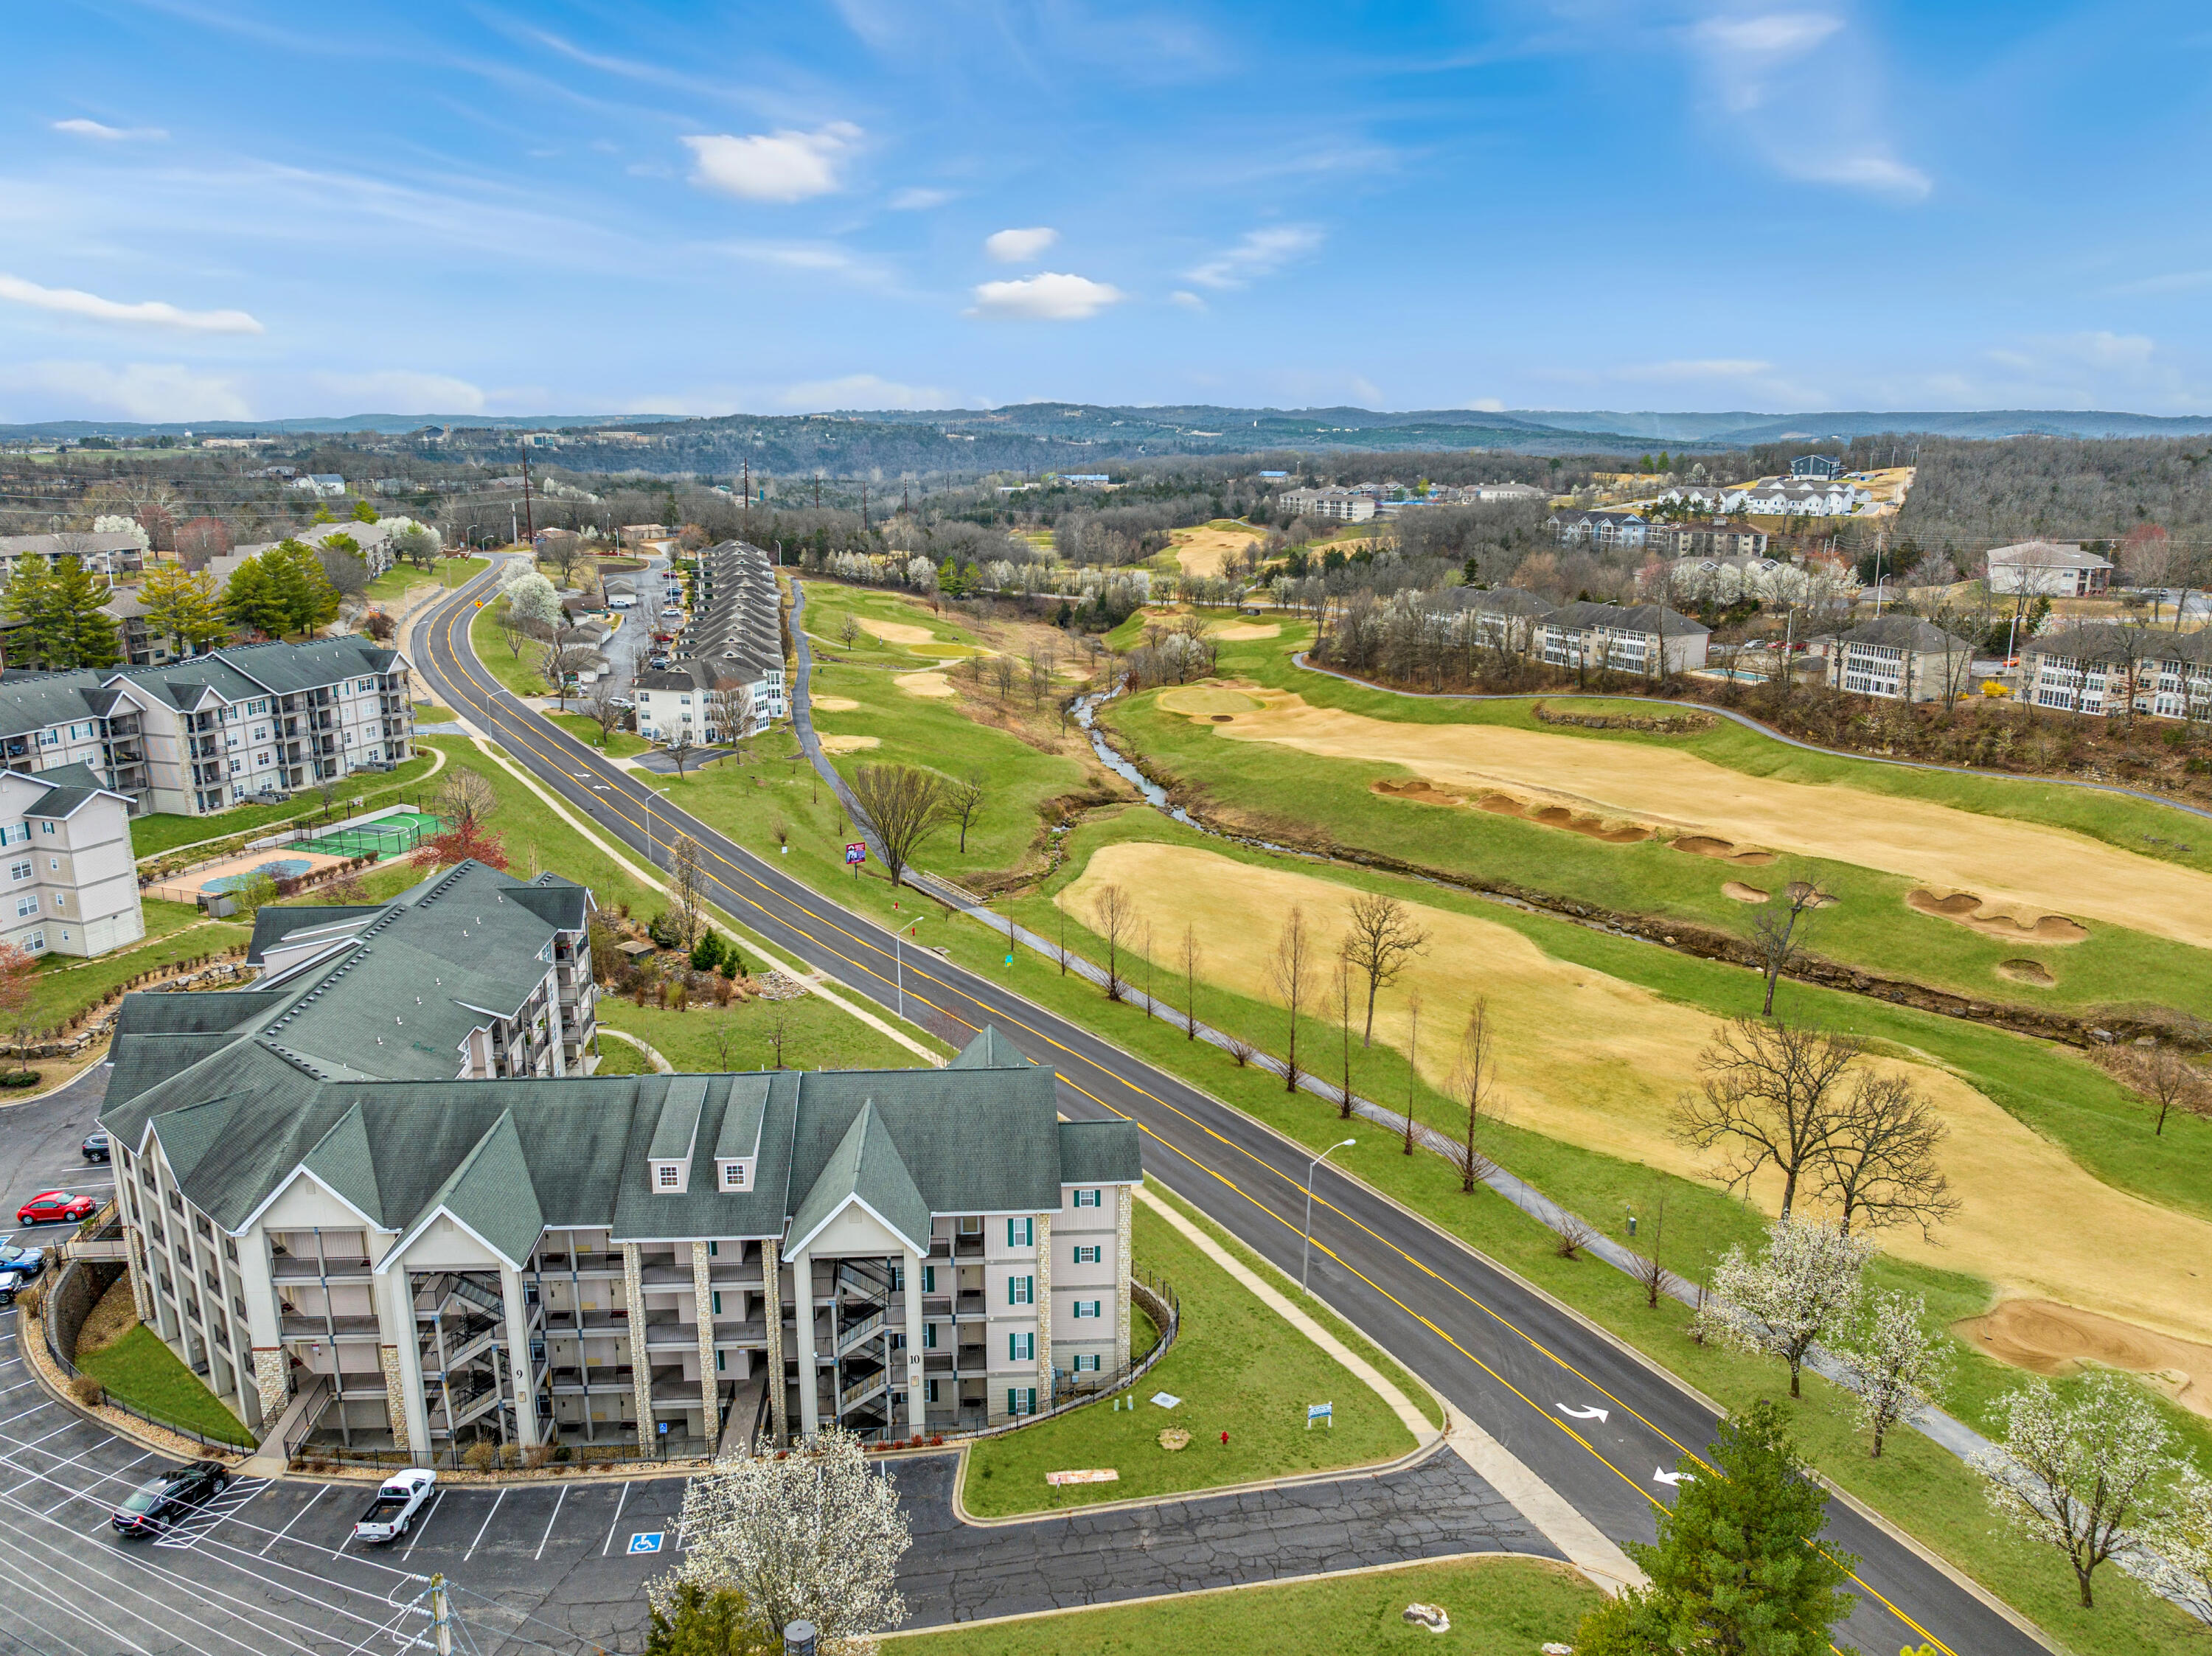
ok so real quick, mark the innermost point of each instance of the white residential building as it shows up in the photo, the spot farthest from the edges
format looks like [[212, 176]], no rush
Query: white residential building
[[1342, 505], [2048, 569], [1900, 659], [68, 883]]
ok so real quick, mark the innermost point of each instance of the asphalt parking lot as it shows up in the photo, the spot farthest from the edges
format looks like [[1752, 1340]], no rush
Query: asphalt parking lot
[[39, 1151]]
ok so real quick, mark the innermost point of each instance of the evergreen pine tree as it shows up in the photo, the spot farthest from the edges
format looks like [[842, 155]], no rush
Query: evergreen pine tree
[[308, 599], [183, 606], [31, 600], [1738, 1566], [88, 632], [252, 600]]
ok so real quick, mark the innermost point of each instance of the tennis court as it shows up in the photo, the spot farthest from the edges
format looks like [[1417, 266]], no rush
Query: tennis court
[[387, 836]]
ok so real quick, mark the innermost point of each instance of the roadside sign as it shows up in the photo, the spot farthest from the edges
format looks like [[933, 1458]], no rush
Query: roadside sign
[[1324, 1412], [856, 853], [647, 1541]]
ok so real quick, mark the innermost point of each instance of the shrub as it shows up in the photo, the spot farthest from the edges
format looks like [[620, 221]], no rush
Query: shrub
[[537, 1455], [562, 1452], [480, 1457], [87, 1391], [31, 1301]]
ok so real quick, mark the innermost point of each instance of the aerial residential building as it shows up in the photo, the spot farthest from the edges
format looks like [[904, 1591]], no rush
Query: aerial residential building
[[1716, 499], [322, 1206], [1647, 639], [104, 552], [372, 541], [1580, 528], [1775, 497], [726, 682], [2048, 569], [1821, 468], [1706, 540], [327, 484], [1503, 619], [1340, 505], [197, 735], [2102, 667], [1900, 659], [71, 884]]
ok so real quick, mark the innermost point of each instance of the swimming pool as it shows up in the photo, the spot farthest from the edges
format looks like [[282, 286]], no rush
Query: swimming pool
[[277, 868]]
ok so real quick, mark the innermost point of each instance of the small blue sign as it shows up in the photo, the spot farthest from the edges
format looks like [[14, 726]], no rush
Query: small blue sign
[[647, 1541], [1324, 1412]]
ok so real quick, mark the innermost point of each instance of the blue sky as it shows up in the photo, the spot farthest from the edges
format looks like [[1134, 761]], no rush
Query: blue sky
[[231, 209]]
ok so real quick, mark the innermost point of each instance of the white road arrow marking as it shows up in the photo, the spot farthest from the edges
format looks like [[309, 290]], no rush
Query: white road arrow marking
[[1580, 1414], [1662, 1476]]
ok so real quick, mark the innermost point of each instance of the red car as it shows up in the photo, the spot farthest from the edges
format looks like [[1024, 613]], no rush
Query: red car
[[55, 1207]]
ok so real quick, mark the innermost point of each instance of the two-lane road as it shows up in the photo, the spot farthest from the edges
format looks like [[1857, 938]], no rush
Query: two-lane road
[[1505, 1355]]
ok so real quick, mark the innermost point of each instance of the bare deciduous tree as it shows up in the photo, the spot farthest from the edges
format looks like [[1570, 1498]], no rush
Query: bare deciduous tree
[[1475, 1085], [1650, 1270], [777, 1028], [2166, 1080], [1344, 989], [606, 708], [687, 884], [1413, 1062], [1880, 1160], [1292, 972], [464, 798], [1781, 931], [1769, 1098], [963, 802], [679, 747], [1002, 671], [1382, 941], [903, 805], [1115, 915], [1190, 958]]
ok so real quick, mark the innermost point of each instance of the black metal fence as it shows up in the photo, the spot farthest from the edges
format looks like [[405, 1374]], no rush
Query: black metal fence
[[65, 1302]]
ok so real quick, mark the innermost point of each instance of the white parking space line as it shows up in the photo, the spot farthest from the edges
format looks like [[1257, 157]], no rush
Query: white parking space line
[[192, 1529], [482, 1527], [615, 1522], [19, 1386], [548, 1535], [415, 1535], [33, 1591], [296, 1517], [115, 1476]]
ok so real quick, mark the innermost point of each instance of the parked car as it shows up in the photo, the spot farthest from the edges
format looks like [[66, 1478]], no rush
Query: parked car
[[55, 1207], [152, 1507], [25, 1262], [396, 1505], [11, 1282], [95, 1145]]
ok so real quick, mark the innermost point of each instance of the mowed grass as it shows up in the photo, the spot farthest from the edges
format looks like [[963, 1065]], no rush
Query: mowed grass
[[145, 1373], [537, 841], [1498, 1607], [394, 583], [829, 604], [161, 831], [616, 744], [1313, 800], [518, 672], [1237, 1366], [64, 986], [815, 1035]]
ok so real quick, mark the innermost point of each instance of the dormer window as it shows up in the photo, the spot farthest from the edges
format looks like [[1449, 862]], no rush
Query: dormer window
[[668, 1177], [737, 1174]]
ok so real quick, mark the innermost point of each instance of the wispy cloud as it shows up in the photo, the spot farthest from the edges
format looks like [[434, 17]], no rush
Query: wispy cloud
[[864, 391], [1261, 253], [784, 166], [403, 391], [132, 390], [78, 127], [145, 313], [1049, 296], [1019, 247], [1186, 299], [918, 200]]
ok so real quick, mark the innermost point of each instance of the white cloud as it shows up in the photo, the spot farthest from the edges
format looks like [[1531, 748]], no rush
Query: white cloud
[[1779, 34], [2174, 281], [2111, 350], [1706, 367], [784, 166], [1019, 247], [1488, 405], [151, 313], [918, 200], [1261, 253], [401, 390], [138, 391], [865, 391], [1048, 296], [1188, 299], [78, 127], [1874, 172]]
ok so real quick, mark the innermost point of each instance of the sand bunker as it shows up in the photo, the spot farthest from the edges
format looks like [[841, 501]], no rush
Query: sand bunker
[[849, 744], [1418, 791], [895, 632], [1742, 892], [1234, 632], [2044, 870], [1210, 551], [2034, 973], [1207, 701], [924, 683], [2053, 1340], [1424, 792], [1598, 1062], [1967, 910], [1703, 845], [833, 704]]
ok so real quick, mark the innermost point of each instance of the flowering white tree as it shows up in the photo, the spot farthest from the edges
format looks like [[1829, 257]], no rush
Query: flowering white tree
[[1806, 1279], [533, 600], [921, 574], [816, 1538], [1892, 1359], [2183, 1536], [121, 526], [414, 542], [2079, 1473]]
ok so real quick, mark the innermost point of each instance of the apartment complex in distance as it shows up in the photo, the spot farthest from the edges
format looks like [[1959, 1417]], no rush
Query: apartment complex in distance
[[71, 884], [351, 1193], [726, 680], [197, 735]]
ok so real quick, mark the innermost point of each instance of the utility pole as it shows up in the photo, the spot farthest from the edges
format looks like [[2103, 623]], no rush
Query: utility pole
[[749, 485], [864, 508], [441, 1616], [529, 520]]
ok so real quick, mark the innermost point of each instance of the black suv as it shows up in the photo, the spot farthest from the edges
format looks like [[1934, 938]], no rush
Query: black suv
[[95, 1145], [152, 1507]]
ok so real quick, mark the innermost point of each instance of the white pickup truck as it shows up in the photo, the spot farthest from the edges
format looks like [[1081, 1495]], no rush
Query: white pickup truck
[[396, 1505]]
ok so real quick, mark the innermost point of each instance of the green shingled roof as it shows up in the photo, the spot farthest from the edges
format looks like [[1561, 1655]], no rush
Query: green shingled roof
[[866, 1167], [989, 1051]]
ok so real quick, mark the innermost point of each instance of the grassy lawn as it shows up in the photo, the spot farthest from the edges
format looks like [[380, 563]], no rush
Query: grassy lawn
[[829, 604], [1498, 1607], [1916, 1485], [619, 744], [535, 839], [518, 673], [816, 1036], [64, 986], [160, 831], [619, 1057], [1238, 1368], [145, 1373], [392, 585], [1314, 800]]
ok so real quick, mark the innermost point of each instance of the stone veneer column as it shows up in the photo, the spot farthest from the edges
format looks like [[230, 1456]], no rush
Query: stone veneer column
[[1125, 1205], [395, 1392], [1044, 1311], [134, 1251], [710, 1388], [640, 1363], [269, 1380], [779, 1407]]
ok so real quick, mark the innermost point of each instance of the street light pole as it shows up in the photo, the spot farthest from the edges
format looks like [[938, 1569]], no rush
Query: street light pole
[[1305, 1250]]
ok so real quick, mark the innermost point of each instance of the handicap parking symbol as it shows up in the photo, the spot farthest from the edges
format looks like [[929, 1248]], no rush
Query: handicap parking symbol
[[647, 1541]]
